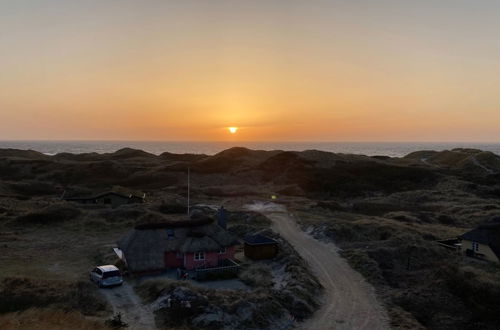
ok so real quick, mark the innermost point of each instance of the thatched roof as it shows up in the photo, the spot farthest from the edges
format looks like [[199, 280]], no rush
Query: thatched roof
[[144, 247]]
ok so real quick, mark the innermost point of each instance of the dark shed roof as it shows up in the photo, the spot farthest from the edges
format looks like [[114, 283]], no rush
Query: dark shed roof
[[259, 240]]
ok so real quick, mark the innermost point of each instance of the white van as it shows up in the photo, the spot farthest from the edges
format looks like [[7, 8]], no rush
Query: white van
[[107, 275]]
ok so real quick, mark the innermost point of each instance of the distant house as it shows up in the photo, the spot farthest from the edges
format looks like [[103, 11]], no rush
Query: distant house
[[115, 197], [483, 242], [260, 247], [189, 244]]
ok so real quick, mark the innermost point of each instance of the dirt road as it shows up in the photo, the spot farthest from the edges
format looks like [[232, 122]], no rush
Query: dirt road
[[124, 300], [349, 302]]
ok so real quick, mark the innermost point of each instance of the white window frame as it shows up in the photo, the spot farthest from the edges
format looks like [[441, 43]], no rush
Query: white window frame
[[199, 256], [475, 246], [223, 250]]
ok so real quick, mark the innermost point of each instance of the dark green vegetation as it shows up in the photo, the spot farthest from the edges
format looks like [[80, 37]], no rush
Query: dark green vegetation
[[19, 294], [385, 213], [389, 237], [210, 309]]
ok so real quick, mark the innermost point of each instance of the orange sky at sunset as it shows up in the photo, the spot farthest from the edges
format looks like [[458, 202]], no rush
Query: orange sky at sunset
[[278, 70]]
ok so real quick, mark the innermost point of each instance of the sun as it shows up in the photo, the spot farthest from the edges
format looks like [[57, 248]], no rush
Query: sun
[[232, 130]]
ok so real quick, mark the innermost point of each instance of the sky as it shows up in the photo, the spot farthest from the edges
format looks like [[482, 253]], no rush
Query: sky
[[354, 70]]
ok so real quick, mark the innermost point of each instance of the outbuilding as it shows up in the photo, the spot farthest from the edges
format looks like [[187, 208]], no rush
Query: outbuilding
[[114, 197], [483, 242], [259, 247]]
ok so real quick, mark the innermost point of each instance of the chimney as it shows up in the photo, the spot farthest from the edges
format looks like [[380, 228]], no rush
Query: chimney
[[222, 217]]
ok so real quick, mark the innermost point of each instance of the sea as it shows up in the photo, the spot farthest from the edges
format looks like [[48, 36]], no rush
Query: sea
[[392, 149]]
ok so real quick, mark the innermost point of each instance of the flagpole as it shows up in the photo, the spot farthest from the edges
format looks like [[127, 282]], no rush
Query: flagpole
[[189, 179]]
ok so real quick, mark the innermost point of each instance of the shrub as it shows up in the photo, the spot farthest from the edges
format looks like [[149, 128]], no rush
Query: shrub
[[150, 290], [479, 290], [18, 294], [50, 214], [48, 318], [116, 322], [360, 261], [257, 275]]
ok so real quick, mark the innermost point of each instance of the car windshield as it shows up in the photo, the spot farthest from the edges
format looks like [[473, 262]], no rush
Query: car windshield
[[112, 273]]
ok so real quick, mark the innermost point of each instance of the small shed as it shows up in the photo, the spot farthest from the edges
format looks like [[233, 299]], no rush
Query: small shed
[[260, 247], [115, 197], [483, 242]]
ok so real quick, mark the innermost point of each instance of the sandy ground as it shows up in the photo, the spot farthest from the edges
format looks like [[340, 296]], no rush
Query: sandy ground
[[228, 284], [349, 301], [124, 300]]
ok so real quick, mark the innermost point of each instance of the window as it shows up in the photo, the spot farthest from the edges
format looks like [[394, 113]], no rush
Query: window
[[199, 256], [222, 251], [113, 273], [475, 246], [170, 233]]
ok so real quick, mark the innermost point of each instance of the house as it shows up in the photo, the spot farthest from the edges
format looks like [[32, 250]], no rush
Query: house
[[260, 247], [453, 243], [115, 197], [188, 244], [483, 242]]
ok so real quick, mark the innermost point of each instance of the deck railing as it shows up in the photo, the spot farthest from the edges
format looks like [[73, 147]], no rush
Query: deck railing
[[228, 266]]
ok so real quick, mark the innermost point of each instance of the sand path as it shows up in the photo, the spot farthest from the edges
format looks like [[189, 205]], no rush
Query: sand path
[[349, 301]]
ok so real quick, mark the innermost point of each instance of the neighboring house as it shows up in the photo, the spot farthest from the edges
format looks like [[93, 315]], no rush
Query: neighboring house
[[114, 197], [189, 244], [260, 247], [483, 242]]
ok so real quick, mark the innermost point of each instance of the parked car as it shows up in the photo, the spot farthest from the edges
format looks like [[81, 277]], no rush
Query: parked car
[[106, 276]]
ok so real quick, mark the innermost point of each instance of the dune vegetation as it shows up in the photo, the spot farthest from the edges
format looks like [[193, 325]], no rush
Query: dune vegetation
[[384, 213]]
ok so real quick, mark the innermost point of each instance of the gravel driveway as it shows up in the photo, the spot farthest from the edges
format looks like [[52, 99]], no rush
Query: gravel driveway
[[124, 300], [349, 301]]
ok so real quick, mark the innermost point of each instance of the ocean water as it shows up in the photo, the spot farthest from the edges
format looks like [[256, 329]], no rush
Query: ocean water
[[392, 149]]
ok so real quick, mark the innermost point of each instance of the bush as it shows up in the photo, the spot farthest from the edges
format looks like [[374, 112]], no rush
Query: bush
[[50, 214], [48, 318], [360, 261], [33, 188], [18, 294], [479, 289], [257, 275], [116, 322], [150, 290], [172, 208]]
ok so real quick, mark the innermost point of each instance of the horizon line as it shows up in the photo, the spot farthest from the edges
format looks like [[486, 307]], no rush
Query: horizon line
[[248, 141]]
